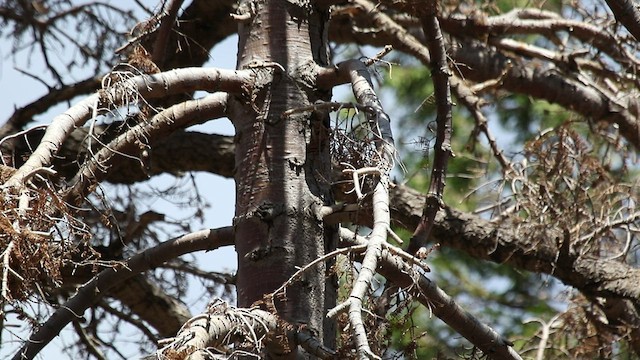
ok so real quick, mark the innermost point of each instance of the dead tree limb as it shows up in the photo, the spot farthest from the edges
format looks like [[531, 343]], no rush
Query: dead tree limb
[[436, 300], [92, 291], [442, 149], [130, 90]]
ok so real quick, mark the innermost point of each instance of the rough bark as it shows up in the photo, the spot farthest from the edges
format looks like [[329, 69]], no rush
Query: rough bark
[[499, 243], [281, 163]]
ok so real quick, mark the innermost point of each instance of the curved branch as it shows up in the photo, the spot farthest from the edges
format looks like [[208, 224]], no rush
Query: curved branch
[[25, 114], [442, 148], [628, 13], [89, 293], [147, 132], [180, 152], [142, 86]]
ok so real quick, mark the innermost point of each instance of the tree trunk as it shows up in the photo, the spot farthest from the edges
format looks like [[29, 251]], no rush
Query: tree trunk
[[283, 164]]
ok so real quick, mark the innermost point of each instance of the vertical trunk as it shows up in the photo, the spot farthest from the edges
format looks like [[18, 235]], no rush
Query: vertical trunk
[[282, 163]]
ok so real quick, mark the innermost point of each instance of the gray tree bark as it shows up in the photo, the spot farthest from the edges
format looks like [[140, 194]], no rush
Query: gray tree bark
[[281, 164]]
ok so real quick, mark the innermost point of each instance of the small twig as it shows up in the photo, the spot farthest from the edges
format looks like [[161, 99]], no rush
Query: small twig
[[377, 57], [356, 173], [326, 106], [395, 236], [6, 267], [321, 259], [13, 136]]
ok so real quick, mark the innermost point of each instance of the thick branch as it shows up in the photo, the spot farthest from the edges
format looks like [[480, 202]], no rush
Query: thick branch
[[180, 152], [134, 142], [89, 293], [487, 240], [380, 125], [135, 88], [576, 93], [146, 299], [442, 149]]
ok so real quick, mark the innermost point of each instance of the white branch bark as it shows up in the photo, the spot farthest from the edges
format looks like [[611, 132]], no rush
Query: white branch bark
[[381, 126], [134, 88], [221, 325], [162, 124]]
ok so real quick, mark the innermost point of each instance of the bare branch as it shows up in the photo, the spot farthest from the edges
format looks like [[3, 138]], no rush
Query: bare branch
[[221, 325], [383, 139], [437, 301], [25, 114], [442, 148], [91, 292], [628, 13], [143, 86], [148, 132]]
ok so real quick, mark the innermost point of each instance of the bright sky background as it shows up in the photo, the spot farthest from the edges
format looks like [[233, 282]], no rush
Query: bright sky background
[[17, 90]]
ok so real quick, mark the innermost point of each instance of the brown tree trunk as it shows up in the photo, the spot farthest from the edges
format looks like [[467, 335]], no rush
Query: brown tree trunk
[[282, 164]]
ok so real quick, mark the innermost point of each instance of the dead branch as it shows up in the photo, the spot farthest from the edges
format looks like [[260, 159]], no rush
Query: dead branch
[[138, 87], [436, 300], [383, 138], [222, 325], [147, 132], [91, 292], [442, 148]]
